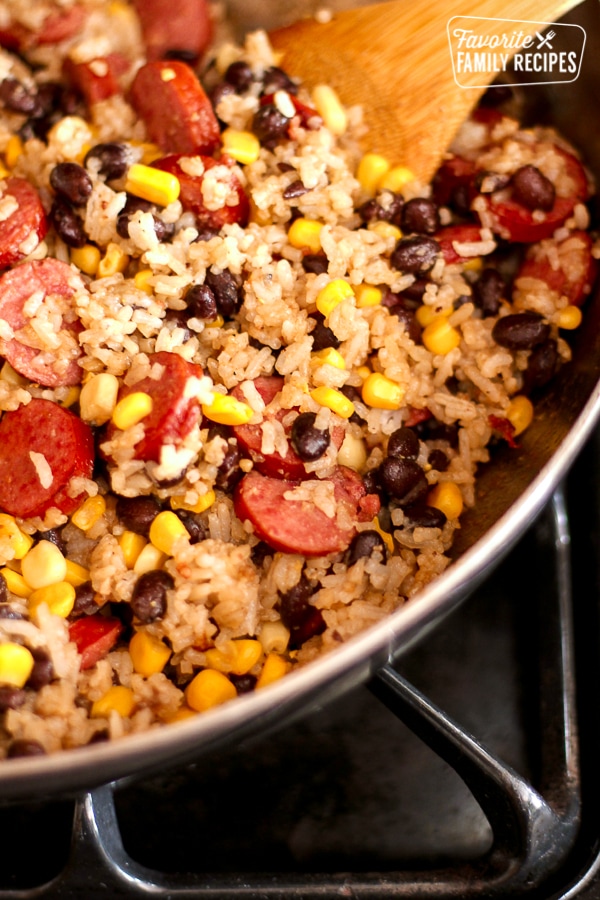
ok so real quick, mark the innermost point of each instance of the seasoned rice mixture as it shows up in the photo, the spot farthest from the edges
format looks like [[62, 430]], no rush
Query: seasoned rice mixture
[[248, 372]]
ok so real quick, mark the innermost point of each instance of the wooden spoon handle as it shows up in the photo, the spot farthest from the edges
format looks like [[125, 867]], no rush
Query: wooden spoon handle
[[394, 59]]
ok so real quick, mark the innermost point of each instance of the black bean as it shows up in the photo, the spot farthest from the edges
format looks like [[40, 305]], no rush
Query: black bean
[[415, 255], [201, 303], [11, 697], [85, 600], [226, 289], [372, 481], [276, 79], [424, 516], [403, 443], [303, 620], [531, 188], [420, 215], [43, 670], [434, 430], [488, 291], [194, 525], [353, 394], [16, 97], [100, 736], [403, 479], [363, 544], [229, 472], [407, 318], [386, 208], [177, 318], [218, 93], [25, 748], [112, 157], [269, 125], [520, 331], [541, 366], [438, 460], [487, 182], [163, 230], [7, 612], [67, 223], [295, 189], [182, 54], [310, 443], [3, 589], [71, 181], [260, 552], [239, 74], [137, 513], [54, 536], [149, 598], [244, 684], [322, 334], [315, 263]]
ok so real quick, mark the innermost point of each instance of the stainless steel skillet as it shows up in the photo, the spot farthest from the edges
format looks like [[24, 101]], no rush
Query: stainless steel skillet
[[512, 490]]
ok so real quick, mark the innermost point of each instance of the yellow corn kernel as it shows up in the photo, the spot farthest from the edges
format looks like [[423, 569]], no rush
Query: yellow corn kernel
[[117, 699], [570, 318], [396, 179], [352, 453], [86, 258], [71, 397], [8, 374], [44, 564], [90, 512], [243, 146], [209, 688], [14, 149], [149, 654], [447, 497], [203, 503], [149, 559], [218, 322], [426, 314], [332, 295], [18, 542], [98, 398], [132, 409], [363, 373], [113, 261], [76, 574], [274, 637], [371, 169], [520, 413], [367, 295], [381, 392], [440, 337], [330, 108], [184, 712], [227, 410], [142, 280], [59, 598], [131, 545], [151, 184], [16, 663], [474, 264], [328, 357], [235, 657], [386, 230], [15, 582], [305, 234], [275, 667], [387, 538], [333, 400], [165, 530]]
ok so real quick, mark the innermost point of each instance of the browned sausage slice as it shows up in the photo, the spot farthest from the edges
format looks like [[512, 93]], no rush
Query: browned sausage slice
[[237, 205], [175, 108], [42, 286], [22, 221], [566, 266], [42, 446], [297, 525], [178, 27]]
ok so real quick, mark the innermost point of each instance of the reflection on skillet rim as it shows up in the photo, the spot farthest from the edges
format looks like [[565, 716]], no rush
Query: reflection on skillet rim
[[566, 416]]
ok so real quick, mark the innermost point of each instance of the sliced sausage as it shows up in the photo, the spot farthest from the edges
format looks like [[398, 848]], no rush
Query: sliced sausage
[[297, 525], [51, 281], [175, 109], [59, 25], [235, 209], [452, 235], [249, 437], [516, 222], [94, 636], [97, 79], [42, 446], [174, 414], [22, 221], [179, 28], [566, 266]]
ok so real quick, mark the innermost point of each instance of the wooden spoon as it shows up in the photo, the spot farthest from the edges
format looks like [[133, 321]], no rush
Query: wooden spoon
[[394, 59]]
